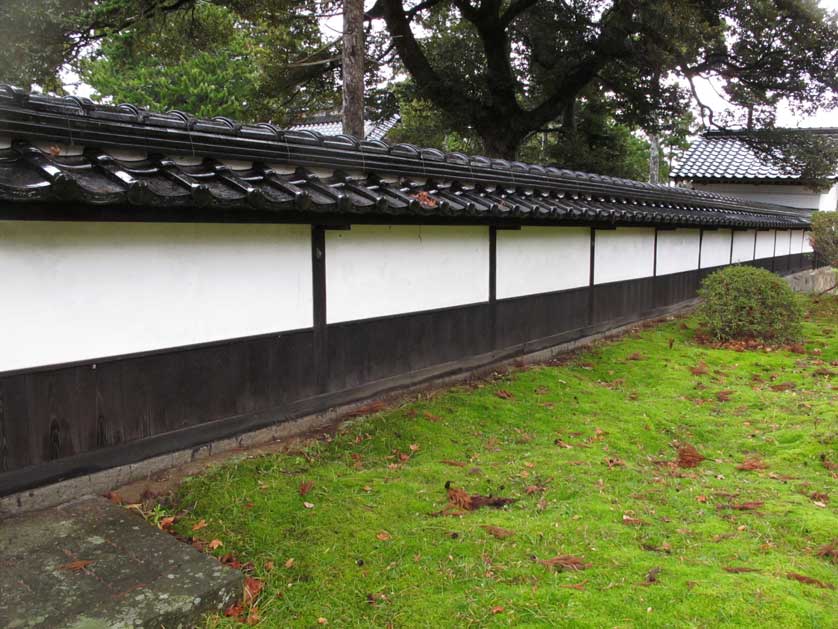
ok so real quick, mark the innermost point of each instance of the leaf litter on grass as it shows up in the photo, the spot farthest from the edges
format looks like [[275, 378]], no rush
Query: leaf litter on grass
[[492, 440]]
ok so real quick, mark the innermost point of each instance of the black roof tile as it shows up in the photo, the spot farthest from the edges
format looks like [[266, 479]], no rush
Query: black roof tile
[[182, 162]]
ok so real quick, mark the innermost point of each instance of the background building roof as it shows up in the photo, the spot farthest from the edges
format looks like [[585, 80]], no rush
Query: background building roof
[[720, 156], [332, 124]]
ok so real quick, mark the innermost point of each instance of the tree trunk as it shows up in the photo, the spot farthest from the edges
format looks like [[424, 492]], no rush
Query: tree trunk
[[353, 68], [654, 158]]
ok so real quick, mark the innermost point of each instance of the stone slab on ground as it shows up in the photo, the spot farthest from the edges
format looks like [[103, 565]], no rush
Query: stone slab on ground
[[138, 576]]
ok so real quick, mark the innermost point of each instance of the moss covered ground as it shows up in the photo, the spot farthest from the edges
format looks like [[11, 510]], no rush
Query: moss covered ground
[[588, 448]]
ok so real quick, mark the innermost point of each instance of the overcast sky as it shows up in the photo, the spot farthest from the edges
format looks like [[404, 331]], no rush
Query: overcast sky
[[785, 118]]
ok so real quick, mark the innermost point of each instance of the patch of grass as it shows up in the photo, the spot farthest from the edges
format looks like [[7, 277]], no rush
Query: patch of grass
[[369, 552]]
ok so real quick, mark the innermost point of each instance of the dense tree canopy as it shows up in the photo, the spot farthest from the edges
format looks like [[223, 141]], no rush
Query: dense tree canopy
[[570, 81]]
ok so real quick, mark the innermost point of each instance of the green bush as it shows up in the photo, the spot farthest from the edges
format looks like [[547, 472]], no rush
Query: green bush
[[743, 302]]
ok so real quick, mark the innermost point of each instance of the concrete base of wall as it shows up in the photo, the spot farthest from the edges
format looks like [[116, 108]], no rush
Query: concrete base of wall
[[101, 482], [817, 281]]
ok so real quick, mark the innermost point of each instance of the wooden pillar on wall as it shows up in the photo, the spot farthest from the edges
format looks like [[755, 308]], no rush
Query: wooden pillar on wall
[[591, 300], [493, 285], [318, 284]]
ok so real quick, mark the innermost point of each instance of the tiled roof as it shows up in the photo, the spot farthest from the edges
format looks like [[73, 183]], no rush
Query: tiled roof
[[725, 157], [72, 153], [331, 124]]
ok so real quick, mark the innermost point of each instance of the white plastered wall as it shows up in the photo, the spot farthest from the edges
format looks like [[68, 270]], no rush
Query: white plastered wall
[[765, 244], [780, 194], [807, 243], [715, 248], [76, 291], [625, 253], [783, 243], [378, 270], [796, 241], [542, 259], [678, 250], [743, 245]]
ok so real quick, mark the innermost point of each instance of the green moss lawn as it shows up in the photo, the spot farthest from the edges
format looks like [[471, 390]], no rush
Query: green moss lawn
[[587, 449]]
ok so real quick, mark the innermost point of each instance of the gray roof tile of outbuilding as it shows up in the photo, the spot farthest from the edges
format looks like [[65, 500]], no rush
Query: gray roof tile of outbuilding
[[727, 157]]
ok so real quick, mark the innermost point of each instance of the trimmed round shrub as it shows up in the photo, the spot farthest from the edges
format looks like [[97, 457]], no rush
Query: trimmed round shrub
[[743, 303]]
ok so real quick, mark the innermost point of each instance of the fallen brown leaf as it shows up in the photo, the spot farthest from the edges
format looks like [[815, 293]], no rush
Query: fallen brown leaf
[[497, 609], [829, 551], [744, 506], [453, 463], [739, 569], [252, 588], [76, 566], [575, 586], [783, 386], [305, 487], [802, 578], [752, 463], [504, 394], [167, 522], [652, 575], [214, 544], [289, 563], [496, 531], [200, 524], [688, 456], [635, 356], [460, 499], [700, 369], [724, 396], [383, 536], [565, 562], [630, 521]]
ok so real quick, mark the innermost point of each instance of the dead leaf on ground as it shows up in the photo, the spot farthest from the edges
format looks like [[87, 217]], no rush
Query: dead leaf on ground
[[688, 456], [752, 463], [724, 396], [462, 500], [700, 369], [383, 536], [308, 505], [497, 609], [252, 588], [504, 394], [802, 578], [630, 521], [739, 569], [368, 409], [615, 462], [431, 417], [453, 463], [76, 566], [496, 531], [829, 551], [565, 562], [575, 586], [214, 544], [200, 524], [783, 386], [743, 506], [832, 467], [114, 497], [652, 576], [167, 522], [635, 356], [305, 487]]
